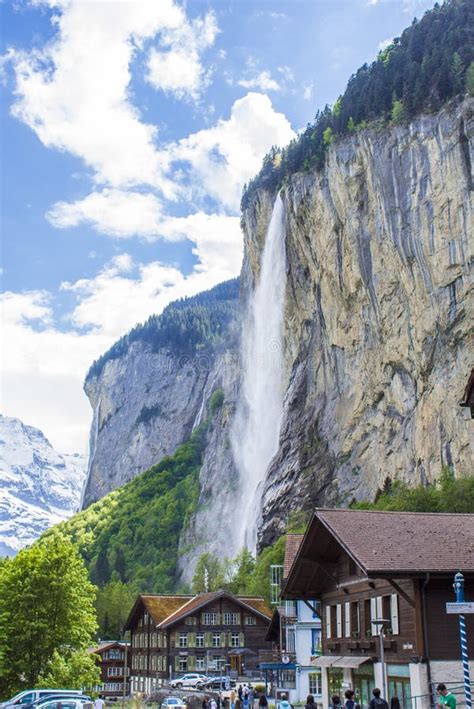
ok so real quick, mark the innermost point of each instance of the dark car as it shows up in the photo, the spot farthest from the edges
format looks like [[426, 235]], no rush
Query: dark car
[[221, 683]]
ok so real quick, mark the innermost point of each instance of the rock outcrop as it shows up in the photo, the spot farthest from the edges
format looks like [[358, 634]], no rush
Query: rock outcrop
[[378, 316]]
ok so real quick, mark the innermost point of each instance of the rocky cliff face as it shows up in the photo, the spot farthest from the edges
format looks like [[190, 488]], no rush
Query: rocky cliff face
[[378, 321], [148, 399], [38, 486]]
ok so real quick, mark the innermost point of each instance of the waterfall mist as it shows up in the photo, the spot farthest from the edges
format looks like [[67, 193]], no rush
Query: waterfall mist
[[256, 431]]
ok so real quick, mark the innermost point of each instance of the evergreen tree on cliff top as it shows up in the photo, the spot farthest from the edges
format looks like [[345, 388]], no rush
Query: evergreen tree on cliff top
[[46, 606]]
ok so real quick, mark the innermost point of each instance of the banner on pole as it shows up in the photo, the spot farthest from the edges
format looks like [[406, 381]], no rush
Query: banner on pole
[[460, 608]]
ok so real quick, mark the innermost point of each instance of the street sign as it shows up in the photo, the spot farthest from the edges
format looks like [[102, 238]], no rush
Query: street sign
[[461, 608]]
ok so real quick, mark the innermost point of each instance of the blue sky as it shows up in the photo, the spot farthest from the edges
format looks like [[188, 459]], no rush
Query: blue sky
[[128, 130]]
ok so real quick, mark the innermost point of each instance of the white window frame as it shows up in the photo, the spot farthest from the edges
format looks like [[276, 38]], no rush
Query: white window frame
[[339, 620], [394, 614], [183, 640], [315, 689], [250, 620], [199, 639], [209, 618], [230, 618], [328, 614], [235, 639], [216, 640]]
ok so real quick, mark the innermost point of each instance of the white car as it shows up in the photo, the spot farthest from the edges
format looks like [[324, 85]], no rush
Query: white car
[[173, 703], [66, 703], [192, 679], [28, 696]]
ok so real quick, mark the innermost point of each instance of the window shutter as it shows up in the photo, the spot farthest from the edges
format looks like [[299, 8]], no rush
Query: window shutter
[[379, 608], [373, 615], [328, 621], [223, 639], [241, 640], [339, 620], [176, 663], [347, 620], [394, 613], [207, 639], [191, 662], [238, 619], [191, 639], [176, 639]]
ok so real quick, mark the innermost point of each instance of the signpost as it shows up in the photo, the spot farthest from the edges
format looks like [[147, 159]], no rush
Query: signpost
[[461, 607]]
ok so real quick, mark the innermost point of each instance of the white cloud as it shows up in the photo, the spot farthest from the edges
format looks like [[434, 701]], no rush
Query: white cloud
[[227, 155], [117, 213], [308, 92], [263, 81], [287, 73], [74, 93], [178, 69]]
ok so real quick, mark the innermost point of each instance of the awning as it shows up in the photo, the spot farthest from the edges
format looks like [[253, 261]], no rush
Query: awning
[[241, 651], [277, 666], [332, 661]]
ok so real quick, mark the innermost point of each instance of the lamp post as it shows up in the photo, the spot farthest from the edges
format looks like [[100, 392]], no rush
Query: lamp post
[[458, 586], [381, 622]]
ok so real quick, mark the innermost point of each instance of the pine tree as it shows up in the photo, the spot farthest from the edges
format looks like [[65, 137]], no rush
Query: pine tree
[[470, 79]]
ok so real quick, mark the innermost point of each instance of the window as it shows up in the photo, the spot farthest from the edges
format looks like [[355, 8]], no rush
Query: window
[[394, 617], [183, 664], [199, 639], [183, 640], [315, 641], [290, 640], [288, 678], [114, 671], [234, 640], [216, 640], [190, 620], [209, 618], [276, 573], [231, 618], [145, 618], [250, 620], [200, 663], [315, 683]]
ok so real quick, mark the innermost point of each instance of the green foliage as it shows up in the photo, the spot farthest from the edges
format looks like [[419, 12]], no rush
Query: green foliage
[[243, 570], [398, 112], [209, 574], [46, 606], [470, 79], [423, 69], [133, 532], [216, 401], [113, 605], [448, 494], [188, 325], [75, 670]]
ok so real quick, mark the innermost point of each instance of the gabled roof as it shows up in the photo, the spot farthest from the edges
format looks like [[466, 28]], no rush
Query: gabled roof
[[293, 543], [158, 607], [253, 604], [106, 645], [385, 544]]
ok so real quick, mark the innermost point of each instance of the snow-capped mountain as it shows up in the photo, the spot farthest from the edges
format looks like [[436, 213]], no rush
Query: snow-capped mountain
[[38, 486]]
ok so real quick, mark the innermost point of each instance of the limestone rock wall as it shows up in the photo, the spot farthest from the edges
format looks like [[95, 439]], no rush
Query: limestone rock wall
[[378, 336]]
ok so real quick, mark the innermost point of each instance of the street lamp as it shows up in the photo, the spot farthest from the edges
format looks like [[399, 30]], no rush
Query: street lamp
[[458, 586], [381, 622]]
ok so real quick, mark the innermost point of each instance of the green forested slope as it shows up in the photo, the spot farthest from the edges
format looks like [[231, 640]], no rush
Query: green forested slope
[[431, 63]]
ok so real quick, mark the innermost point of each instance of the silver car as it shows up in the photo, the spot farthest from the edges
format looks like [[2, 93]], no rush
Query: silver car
[[173, 703]]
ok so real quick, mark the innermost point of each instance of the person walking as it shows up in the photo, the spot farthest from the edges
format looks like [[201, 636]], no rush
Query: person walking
[[446, 698], [240, 692], [232, 699], [378, 702], [251, 696], [310, 703], [335, 702], [263, 702], [284, 703], [99, 703], [350, 702]]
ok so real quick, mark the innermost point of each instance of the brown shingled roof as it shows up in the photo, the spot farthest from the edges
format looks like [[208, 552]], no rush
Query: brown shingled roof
[[404, 541], [203, 599], [293, 543], [159, 607]]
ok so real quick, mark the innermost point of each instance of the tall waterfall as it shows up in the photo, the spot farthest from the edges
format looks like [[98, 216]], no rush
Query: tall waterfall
[[94, 434], [256, 431]]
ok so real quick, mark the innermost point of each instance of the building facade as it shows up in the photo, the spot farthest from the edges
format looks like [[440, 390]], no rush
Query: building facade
[[373, 570], [114, 660], [209, 633]]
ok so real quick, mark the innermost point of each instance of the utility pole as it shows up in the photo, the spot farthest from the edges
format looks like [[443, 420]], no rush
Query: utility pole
[[458, 586], [380, 622]]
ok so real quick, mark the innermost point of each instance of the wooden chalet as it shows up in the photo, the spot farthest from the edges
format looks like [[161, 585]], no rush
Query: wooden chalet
[[174, 635], [397, 567], [114, 661]]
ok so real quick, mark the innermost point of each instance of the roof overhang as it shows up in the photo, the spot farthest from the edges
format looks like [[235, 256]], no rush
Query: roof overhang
[[351, 661]]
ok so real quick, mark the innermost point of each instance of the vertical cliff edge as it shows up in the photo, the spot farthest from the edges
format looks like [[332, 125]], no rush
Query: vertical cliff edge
[[378, 313]]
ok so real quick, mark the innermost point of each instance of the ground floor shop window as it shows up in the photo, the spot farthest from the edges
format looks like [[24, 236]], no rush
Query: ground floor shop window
[[288, 678], [335, 681], [315, 682], [363, 683], [398, 677]]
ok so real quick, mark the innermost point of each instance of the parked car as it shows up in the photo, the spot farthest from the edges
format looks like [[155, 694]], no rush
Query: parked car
[[64, 703], [28, 696], [220, 683], [192, 679], [173, 703], [40, 703]]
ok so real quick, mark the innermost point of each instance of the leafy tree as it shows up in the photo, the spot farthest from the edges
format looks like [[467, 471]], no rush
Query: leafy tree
[[328, 136], [209, 574], [398, 112], [243, 570], [457, 72], [113, 604], [77, 670], [46, 605], [470, 79]]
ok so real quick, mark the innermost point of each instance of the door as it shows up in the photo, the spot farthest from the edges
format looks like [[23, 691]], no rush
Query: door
[[236, 664]]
